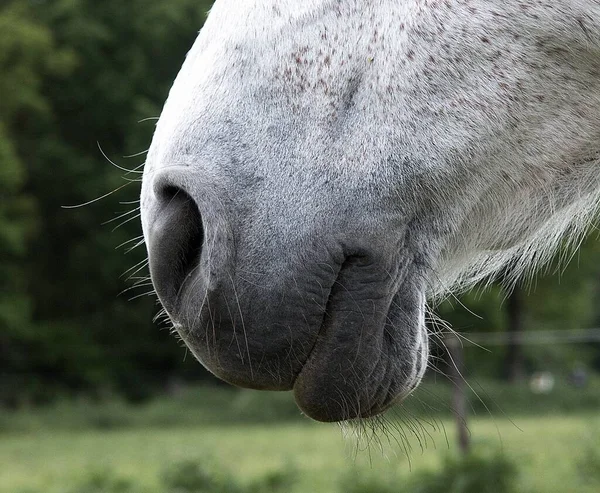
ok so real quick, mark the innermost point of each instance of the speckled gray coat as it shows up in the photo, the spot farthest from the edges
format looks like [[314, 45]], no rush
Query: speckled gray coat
[[323, 167]]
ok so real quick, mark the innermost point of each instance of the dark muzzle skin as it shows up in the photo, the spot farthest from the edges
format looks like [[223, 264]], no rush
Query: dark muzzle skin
[[329, 310]]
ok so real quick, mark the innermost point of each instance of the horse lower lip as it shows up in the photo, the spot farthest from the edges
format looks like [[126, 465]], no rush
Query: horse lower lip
[[328, 387], [365, 357], [345, 364]]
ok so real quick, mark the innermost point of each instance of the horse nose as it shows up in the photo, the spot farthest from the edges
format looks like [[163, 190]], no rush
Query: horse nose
[[174, 240]]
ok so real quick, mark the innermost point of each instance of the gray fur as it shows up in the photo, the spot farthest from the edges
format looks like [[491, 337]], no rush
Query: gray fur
[[351, 158]]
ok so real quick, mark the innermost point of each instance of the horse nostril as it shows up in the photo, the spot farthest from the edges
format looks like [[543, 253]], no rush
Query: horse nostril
[[175, 241]]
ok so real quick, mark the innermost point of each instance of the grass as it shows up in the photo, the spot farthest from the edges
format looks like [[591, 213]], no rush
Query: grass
[[259, 442], [548, 451]]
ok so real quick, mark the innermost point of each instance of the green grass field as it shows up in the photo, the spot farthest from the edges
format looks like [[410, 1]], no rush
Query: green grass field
[[547, 450], [109, 446]]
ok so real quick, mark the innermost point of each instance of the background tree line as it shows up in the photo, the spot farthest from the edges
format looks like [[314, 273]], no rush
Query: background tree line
[[78, 73]]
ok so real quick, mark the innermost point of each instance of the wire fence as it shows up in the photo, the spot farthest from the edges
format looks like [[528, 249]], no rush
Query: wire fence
[[456, 342], [532, 337]]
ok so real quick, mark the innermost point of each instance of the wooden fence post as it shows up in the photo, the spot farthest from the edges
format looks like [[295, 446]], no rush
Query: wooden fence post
[[459, 398]]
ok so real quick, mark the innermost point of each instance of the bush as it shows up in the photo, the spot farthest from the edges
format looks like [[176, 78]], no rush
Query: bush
[[193, 476], [360, 482], [190, 476], [588, 465], [475, 473], [278, 481], [478, 472], [103, 481]]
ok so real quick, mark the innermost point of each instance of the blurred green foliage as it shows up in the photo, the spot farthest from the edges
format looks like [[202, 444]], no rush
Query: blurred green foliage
[[480, 471], [227, 406], [192, 476], [76, 74], [103, 481], [79, 74], [589, 462], [186, 476]]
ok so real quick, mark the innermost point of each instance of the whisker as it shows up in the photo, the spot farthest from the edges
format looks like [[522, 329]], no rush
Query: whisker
[[137, 154], [149, 293], [125, 214], [133, 218], [137, 238], [142, 264], [96, 199], [135, 170]]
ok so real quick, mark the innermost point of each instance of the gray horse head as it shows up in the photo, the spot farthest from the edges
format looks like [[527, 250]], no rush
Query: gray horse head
[[321, 168]]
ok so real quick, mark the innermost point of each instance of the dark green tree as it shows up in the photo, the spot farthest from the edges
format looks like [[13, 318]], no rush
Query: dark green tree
[[28, 53], [75, 74]]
